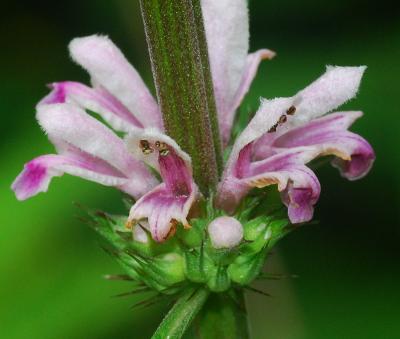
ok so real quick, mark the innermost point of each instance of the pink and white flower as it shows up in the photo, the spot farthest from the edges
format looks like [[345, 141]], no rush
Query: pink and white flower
[[287, 133], [284, 135]]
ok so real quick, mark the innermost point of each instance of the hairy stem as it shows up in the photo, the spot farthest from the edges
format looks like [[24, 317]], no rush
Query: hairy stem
[[223, 316], [179, 58]]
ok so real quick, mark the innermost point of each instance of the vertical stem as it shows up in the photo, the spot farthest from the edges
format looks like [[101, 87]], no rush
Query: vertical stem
[[179, 58], [223, 316]]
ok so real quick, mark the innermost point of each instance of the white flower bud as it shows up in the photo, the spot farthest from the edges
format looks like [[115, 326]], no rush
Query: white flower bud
[[225, 232]]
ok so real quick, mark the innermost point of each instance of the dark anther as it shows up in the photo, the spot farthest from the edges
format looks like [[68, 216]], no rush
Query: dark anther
[[162, 148], [164, 152], [145, 146], [161, 145], [273, 128], [291, 110], [282, 119]]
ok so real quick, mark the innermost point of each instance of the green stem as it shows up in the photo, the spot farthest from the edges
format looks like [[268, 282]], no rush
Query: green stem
[[222, 317], [179, 318], [179, 58]]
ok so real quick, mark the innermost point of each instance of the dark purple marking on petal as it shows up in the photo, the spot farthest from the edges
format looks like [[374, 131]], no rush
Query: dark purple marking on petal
[[56, 96], [242, 166], [175, 174], [30, 180]]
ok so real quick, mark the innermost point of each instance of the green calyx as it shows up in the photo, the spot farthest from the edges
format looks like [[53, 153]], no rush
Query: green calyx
[[188, 258], [206, 284]]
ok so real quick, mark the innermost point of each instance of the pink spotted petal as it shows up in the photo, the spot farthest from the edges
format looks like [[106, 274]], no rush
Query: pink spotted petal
[[110, 70], [97, 100], [170, 202]]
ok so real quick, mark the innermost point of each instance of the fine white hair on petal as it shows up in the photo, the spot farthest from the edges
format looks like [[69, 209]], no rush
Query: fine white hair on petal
[[225, 232], [73, 125], [331, 90], [109, 68], [227, 30]]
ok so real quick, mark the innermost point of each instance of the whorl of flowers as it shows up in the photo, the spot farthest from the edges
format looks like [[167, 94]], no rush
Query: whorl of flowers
[[85, 122]]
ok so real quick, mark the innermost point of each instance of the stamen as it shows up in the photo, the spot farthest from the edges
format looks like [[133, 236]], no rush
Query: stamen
[[164, 152], [291, 110], [145, 146], [282, 119], [273, 128], [162, 147]]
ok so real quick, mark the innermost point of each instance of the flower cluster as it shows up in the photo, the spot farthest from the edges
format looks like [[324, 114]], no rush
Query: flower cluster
[[274, 149]]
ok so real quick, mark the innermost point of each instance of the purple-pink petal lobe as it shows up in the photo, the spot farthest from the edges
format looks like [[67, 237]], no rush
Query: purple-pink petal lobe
[[285, 169], [38, 173], [97, 100], [35, 178], [329, 136]]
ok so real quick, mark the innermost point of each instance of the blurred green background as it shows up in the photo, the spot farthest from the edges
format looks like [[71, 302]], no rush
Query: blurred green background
[[51, 265]]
